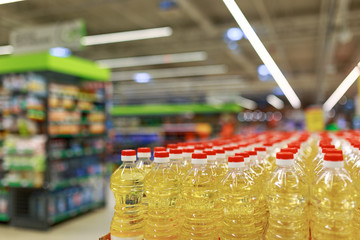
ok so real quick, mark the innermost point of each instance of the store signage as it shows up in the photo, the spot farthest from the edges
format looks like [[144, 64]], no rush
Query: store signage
[[34, 39], [314, 119]]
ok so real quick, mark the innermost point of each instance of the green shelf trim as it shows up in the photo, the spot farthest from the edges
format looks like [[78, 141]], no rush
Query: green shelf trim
[[76, 212], [18, 184], [72, 65], [166, 109], [26, 168], [4, 217]]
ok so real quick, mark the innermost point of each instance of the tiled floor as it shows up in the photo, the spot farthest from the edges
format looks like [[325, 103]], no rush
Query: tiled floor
[[89, 226]]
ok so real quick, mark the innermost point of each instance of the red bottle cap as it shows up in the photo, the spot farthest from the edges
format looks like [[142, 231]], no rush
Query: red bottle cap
[[128, 152], [236, 159], [159, 149], [285, 155], [175, 151], [161, 154], [144, 150]]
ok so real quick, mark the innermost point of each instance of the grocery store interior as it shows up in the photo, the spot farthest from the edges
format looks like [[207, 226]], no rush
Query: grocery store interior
[[82, 80]]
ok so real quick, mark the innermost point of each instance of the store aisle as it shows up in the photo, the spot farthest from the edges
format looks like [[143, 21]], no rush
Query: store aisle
[[86, 227]]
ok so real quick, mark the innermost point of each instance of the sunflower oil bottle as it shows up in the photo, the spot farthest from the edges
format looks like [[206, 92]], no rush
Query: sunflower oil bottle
[[332, 201], [176, 159], [200, 197], [356, 180], [287, 199], [262, 159], [238, 194], [260, 214], [144, 162], [221, 162], [211, 164], [162, 188], [127, 185], [186, 163]]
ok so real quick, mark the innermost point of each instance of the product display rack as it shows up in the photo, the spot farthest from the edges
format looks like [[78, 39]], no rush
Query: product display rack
[[54, 154]]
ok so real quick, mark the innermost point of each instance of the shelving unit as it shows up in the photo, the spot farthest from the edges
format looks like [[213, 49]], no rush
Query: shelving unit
[[54, 154]]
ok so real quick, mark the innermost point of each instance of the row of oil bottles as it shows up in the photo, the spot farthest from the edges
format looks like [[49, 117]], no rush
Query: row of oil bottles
[[268, 186]]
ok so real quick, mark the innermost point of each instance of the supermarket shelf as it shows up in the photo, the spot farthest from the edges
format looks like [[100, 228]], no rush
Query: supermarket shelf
[[71, 153], [73, 181], [4, 217], [24, 168], [75, 212], [76, 135], [21, 184]]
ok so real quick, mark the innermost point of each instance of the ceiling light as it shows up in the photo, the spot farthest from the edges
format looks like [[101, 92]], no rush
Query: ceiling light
[[60, 52], [263, 53], [342, 88], [246, 103], [9, 1], [7, 49], [126, 36], [142, 77], [234, 34], [153, 60], [172, 72], [275, 101]]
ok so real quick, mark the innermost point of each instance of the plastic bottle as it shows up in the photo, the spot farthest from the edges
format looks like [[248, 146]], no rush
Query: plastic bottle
[[199, 148], [176, 159], [262, 158], [159, 149], [211, 164], [144, 162], [162, 188], [287, 199], [229, 151], [258, 174], [356, 180], [332, 201], [239, 195], [200, 197], [221, 162], [127, 185], [186, 164]]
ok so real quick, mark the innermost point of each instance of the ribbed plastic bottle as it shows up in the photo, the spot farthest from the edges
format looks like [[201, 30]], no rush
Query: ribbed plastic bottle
[[238, 193], [258, 174], [159, 149], [127, 185], [176, 159], [356, 180], [144, 162], [221, 162], [199, 148], [229, 151], [262, 158], [162, 188], [287, 199], [186, 164], [211, 164], [200, 197], [332, 202]]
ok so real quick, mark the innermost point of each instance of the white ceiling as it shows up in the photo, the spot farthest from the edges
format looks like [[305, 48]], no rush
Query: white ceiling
[[306, 38]]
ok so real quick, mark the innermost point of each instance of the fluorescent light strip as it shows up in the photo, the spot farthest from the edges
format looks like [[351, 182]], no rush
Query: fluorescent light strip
[[263, 53], [7, 49], [126, 36], [342, 88], [154, 59], [9, 1], [172, 72], [275, 101]]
